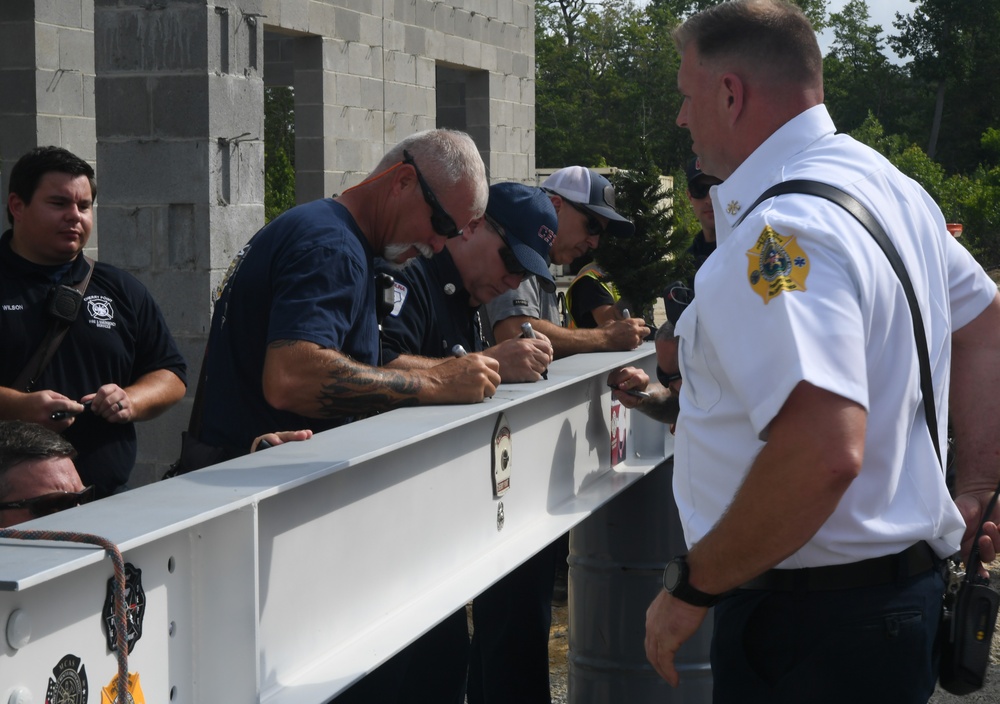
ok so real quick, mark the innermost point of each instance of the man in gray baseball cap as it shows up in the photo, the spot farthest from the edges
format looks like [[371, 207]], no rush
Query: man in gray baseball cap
[[512, 617], [591, 194], [585, 203]]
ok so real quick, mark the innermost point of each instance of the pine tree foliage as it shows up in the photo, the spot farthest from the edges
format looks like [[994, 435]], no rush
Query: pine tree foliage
[[642, 265]]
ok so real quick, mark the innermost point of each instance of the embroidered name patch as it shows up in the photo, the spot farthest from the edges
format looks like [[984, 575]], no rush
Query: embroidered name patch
[[399, 292], [776, 264], [546, 235], [101, 311]]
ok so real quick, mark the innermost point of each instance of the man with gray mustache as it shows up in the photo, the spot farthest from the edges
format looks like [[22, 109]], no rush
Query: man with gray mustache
[[294, 340]]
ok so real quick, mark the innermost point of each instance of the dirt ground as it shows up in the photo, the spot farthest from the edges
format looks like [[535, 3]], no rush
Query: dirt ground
[[559, 669]]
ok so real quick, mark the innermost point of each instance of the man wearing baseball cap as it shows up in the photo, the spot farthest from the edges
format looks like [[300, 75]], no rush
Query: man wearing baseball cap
[[436, 316], [437, 299], [678, 295], [585, 203], [509, 662]]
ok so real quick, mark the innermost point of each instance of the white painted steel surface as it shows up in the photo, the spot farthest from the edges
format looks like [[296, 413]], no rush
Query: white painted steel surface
[[286, 575]]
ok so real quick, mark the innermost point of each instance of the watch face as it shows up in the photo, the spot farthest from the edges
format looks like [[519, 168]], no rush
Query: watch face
[[673, 574]]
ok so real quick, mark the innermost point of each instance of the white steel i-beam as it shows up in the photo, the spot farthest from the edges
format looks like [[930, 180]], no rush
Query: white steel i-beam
[[286, 575]]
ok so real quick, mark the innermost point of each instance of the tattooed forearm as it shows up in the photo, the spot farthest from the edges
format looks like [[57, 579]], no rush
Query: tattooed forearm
[[283, 343], [661, 408], [356, 389]]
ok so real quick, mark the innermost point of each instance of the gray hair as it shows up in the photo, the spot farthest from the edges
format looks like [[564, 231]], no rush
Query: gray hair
[[446, 158], [772, 39], [21, 442]]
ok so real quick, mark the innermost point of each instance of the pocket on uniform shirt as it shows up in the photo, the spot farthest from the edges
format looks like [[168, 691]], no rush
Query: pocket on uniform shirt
[[700, 387]]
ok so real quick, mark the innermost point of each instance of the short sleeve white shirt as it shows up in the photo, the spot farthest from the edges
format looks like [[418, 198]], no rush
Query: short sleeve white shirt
[[799, 291]]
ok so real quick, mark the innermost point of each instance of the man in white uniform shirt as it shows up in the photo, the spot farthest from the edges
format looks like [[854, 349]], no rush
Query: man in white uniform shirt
[[811, 498]]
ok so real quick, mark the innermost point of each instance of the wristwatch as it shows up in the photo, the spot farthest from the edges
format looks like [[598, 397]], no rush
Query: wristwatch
[[675, 581]]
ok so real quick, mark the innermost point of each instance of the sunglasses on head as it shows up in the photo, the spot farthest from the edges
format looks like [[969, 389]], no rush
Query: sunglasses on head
[[47, 504], [442, 223], [594, 227], [700, 189], [510, 262]]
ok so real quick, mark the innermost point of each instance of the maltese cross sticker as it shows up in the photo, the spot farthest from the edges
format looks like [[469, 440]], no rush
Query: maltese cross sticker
[[776, 264]]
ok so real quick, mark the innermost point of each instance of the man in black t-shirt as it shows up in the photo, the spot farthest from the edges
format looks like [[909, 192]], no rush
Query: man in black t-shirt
[[678, 295], [117, 363]]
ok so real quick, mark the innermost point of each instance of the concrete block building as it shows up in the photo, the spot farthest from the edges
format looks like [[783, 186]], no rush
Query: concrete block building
[[165, 98]]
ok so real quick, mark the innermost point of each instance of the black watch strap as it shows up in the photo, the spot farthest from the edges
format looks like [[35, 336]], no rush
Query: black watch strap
[[675, 581]]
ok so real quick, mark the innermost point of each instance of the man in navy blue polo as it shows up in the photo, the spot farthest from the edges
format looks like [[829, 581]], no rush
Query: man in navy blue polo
[[436, 316]]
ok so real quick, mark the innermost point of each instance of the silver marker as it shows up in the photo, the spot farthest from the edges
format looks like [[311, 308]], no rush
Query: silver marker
[[529, 332]]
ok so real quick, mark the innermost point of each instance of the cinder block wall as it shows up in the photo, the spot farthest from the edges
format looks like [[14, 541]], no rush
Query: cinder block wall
[[166, 99]]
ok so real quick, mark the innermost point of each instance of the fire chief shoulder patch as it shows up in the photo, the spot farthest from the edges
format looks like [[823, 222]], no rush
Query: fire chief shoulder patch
[[776, 264]]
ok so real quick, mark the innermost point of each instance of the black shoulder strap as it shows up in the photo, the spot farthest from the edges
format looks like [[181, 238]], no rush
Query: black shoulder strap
[[47, 348], [863, 216]]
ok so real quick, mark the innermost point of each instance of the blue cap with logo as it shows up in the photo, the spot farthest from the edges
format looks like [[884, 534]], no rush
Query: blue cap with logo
[[529, 222]]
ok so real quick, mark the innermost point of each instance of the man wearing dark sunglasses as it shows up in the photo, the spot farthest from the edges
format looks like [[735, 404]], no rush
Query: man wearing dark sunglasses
[[435, 318], [294, 341], [585, 203], [437, 300], [37, 474], [678, 294], [698, 189], [515, 640]]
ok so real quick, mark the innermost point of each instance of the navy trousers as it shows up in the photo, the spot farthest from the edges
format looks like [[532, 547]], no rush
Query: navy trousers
[[864, 645], [510, 635], [431, 670]]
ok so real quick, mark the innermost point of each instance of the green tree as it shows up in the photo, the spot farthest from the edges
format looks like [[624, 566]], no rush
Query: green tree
[[972, 200], [604, 85], [858, 78], [605, 81], [954, 47], [815, 10], [279, 151], [641, 266]]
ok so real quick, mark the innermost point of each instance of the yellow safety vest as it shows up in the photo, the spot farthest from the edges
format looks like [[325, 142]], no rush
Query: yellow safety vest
[[597, 274]]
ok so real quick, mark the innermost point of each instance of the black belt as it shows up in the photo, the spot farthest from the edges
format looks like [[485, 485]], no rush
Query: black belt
[[877, 571]]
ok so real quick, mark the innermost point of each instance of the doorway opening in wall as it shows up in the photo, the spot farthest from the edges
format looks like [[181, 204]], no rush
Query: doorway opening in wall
[[279, 150], [462, 102]]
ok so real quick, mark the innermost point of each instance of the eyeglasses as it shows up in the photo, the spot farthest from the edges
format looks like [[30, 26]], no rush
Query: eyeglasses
[[700, 189], [666, 379], [510, 262], [442, 223], [47, 504], [594, 227]]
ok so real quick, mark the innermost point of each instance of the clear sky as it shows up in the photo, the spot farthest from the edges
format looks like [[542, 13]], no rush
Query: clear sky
[[880, 12]]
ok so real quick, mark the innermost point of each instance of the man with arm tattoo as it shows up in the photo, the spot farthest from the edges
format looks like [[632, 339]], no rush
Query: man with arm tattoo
[[294, 339]]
